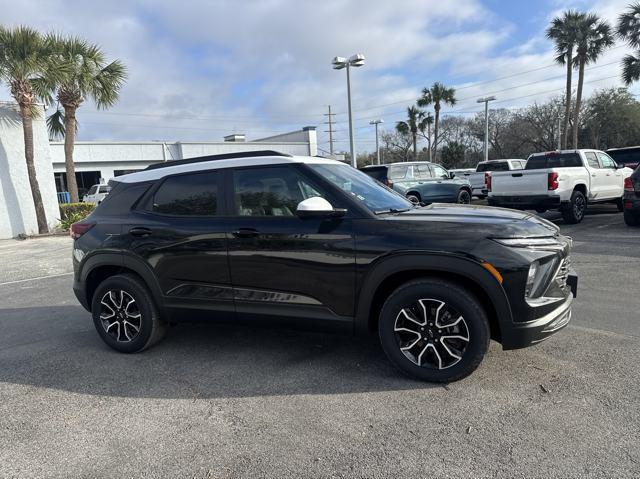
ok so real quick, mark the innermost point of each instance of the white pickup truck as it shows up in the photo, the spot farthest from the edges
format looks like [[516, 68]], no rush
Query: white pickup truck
[[567, 180], [478, 179]]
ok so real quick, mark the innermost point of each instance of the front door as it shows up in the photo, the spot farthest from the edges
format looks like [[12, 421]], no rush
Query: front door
[[284, 266], [614, 183], [179, 234]]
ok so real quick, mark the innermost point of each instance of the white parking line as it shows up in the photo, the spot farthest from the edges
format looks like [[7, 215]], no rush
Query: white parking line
[[36, 278]]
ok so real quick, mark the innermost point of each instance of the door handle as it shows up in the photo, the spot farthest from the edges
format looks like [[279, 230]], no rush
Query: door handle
[[245, 233], [593, 174], [139, 231]]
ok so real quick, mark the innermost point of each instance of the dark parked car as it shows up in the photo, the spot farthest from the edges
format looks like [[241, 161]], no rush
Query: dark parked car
[[629, 156], [308, 241], [631, 199], [422, 182]]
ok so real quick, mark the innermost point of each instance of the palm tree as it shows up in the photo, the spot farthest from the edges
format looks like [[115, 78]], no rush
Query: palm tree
[[416, 122], [88, 76], [564, 32], [594, 36], [427, 122], [26, 66], [437, 95], [629, 30]]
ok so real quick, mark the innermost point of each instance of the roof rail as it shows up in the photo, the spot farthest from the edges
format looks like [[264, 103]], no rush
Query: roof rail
[[224, 156]]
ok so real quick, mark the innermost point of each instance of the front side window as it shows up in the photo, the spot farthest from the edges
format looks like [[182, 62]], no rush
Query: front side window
[[271, 191], [362, 188], [439, 171], [606, 161], [188, 195]]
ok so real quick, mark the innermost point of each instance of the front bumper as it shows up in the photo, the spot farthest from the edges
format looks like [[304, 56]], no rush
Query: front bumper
[[521, 335]]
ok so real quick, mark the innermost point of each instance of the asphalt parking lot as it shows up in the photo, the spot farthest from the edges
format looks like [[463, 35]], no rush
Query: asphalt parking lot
[[235, 402]]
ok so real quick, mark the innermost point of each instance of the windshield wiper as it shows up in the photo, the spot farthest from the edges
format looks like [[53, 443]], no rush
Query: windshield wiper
[[390, 211]]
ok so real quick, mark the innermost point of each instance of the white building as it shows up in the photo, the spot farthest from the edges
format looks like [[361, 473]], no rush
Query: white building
[[99, 161]]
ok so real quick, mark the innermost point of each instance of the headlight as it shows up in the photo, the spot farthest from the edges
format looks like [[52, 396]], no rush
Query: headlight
[[540, 275], [528, 242]]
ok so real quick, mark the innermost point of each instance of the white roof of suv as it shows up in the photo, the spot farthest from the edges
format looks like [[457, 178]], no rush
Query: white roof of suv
[[218, 162]]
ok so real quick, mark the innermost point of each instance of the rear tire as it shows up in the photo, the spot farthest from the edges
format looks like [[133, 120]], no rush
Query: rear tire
[[434, 330], [631, 219], [574, 212], [125, 315]]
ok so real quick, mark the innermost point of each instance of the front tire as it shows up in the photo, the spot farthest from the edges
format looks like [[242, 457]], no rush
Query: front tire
[[464, 197], [434, 330], [574, 212], [414, 198], [125, 315]]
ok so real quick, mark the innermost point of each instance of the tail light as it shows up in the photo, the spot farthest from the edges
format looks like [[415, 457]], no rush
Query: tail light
[[487, 180], [388, 182], [80, 228], [552, 181], [628, 184]]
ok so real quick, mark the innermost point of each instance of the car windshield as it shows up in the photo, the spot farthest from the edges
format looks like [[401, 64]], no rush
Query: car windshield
[[493, 166], [364, 189]]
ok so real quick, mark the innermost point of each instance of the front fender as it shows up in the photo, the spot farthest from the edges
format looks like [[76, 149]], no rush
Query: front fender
[[430, 263]]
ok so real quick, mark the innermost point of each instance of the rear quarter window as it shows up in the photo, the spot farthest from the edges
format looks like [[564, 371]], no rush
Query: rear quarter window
[[122, 198], [398, 172], [560, 160]]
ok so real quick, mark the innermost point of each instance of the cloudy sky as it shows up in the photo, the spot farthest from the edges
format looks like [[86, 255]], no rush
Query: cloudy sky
[[201, 69]]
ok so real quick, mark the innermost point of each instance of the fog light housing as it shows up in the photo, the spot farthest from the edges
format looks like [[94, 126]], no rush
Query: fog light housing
[[539, 276]]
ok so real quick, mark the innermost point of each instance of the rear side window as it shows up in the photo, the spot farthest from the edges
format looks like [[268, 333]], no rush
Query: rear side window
[[592, 159], [554, 160], [121, 198], [497, 166], [398, 172], [187, 195]]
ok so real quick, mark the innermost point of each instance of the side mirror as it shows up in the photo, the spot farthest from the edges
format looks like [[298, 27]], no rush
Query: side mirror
[[452, 175], [317, 207]]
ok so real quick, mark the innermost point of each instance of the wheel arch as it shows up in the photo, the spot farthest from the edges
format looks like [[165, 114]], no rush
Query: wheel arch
[[582, 188], [396, 270], [100, 267]]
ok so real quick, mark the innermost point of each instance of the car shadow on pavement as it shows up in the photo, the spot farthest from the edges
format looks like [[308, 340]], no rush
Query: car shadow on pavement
[[57, 347]]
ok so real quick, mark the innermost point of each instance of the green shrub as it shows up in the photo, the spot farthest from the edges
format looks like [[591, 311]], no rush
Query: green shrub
[[73, 212]]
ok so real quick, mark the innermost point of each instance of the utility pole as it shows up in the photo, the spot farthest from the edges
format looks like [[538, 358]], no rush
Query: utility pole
[[486, 101], [376, 123], [330, 130]]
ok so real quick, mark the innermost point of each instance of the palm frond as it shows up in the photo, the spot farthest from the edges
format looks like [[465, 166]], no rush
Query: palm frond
[[55, 124], [631, 68]]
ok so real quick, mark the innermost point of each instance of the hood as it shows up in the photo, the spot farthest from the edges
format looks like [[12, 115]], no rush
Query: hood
[[494, 222]]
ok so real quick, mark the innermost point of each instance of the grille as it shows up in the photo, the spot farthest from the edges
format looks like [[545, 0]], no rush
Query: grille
[[563, 272]]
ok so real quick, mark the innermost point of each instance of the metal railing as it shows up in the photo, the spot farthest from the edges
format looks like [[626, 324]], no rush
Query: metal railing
[[64, 197]]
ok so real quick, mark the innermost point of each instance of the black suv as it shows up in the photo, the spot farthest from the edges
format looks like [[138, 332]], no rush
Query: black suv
[[307, 240], [631, 199]]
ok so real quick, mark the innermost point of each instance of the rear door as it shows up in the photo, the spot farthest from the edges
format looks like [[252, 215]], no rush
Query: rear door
[[597, 176], [179, 232]]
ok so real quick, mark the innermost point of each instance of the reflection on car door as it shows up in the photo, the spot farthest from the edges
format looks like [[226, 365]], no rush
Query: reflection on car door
[[284, 266]]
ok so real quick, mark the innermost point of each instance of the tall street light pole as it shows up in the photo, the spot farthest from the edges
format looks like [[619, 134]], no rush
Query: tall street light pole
[[339, 63], [377, 122], [486, 101]]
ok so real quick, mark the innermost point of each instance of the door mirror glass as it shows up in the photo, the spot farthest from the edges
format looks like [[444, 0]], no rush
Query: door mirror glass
[[317, 206], [452, 175]]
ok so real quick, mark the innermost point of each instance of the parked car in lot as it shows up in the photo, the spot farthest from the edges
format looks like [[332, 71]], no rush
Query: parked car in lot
[[631, 199], [628, 156], [567, 180], [96, 194], [308, 240], [422, 182], [478, 179]]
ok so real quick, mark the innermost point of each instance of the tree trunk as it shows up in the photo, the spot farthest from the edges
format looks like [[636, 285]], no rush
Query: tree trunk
[[429, 142], [567, 107], [415, 145], [27, 129], [576, 113], [69, 141], [436, 126]]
